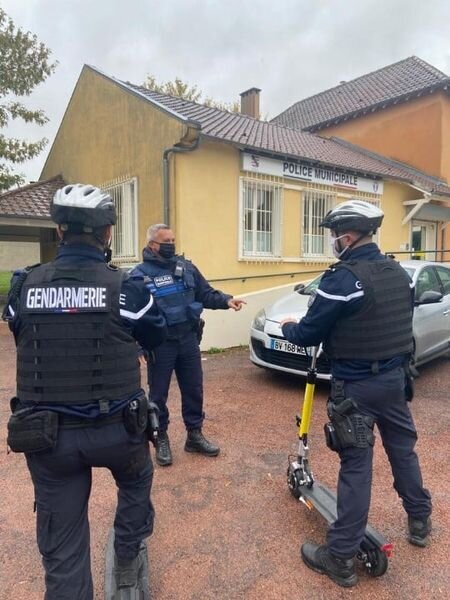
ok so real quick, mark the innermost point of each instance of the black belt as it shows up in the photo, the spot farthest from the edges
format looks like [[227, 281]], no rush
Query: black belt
[[69, 422]]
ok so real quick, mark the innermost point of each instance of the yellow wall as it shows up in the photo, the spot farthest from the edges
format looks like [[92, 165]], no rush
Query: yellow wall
[[206, 222], [206, 217], [108, 133], [392, 234], [410, 132]]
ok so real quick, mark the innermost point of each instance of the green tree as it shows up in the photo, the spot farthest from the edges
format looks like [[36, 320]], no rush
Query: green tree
[[24, 64], [188, 92]]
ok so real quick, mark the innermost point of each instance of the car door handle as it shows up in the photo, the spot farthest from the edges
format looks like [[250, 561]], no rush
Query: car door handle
[[446, 312]]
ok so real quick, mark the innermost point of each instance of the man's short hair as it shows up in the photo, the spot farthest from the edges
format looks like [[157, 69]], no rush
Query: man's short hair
[[153, 230]]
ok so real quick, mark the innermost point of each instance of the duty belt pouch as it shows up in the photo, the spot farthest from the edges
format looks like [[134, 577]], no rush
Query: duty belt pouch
[[32, 431], [135, 416]]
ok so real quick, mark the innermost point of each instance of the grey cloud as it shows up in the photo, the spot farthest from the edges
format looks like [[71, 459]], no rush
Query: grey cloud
[[289, 48]]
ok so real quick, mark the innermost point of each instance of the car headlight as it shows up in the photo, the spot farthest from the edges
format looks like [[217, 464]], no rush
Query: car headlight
[[259, 320]]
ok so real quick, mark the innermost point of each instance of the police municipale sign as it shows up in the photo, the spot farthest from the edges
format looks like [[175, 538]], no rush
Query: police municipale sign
[[305, 172]]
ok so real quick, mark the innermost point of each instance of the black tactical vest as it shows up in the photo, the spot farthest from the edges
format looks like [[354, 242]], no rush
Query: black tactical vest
[[72, 347], [382, 328]]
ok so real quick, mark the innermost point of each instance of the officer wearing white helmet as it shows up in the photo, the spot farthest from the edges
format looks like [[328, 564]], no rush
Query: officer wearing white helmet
[[362, 312], [79, 404]]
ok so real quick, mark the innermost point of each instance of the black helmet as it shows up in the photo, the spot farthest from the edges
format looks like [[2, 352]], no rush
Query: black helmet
[[82, 208], [353, 215]]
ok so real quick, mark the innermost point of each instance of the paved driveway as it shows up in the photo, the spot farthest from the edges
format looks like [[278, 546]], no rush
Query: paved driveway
[[228, 528]]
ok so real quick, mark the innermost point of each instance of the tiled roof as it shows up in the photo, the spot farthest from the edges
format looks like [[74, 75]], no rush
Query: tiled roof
[[395, 83], [265, 137], [31, 201]]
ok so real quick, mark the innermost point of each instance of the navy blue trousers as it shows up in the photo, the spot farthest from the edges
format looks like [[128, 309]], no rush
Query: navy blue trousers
[[382, 397], [182, 356], [62, 481]]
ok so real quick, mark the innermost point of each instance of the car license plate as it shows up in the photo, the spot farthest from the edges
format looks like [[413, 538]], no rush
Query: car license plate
[[285, 346]]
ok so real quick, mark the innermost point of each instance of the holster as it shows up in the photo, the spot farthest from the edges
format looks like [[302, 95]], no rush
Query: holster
[[409, 380], [200, 328], [141, 415], [31, 430], [347, 428]]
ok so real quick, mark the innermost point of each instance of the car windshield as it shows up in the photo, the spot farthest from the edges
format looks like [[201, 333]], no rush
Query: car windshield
[[409, 270], [311, 287]]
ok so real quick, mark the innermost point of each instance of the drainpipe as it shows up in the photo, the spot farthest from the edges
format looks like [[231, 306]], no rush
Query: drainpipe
[[188, 143]]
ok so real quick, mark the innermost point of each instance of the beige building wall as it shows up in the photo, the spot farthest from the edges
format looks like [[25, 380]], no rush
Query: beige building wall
[[16, 255], [206, 211], [108, 133], [393, 236]]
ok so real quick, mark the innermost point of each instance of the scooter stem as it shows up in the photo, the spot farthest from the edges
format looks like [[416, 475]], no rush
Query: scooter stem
[[308, 398]]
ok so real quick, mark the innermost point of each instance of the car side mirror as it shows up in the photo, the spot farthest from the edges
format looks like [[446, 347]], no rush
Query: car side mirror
[[299, 288], [429, 297]]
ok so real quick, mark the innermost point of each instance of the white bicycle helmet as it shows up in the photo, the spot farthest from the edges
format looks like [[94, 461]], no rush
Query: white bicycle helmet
[[82, 208], [353, 215]]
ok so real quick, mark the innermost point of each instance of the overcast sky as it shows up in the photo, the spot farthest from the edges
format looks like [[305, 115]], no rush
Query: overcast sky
[[290, 49]]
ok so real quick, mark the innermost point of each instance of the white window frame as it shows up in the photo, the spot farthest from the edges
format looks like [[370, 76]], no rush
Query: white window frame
[[270, 219], [125, 238], [312, 235]]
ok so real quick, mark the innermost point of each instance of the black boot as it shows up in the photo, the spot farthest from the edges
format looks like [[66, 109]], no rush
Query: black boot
[[418, 530], [318, 558], [127, 572], [163, 453], [196, 442]]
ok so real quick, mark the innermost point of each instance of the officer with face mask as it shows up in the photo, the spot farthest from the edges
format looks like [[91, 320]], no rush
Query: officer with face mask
[[362, 312], [79, 402], [181, 293]]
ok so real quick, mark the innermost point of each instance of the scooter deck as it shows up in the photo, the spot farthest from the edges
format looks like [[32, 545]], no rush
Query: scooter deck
[[142, 592], [324, 501]]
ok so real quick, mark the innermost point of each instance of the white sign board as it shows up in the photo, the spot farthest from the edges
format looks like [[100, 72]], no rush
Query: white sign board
[[305, 172]]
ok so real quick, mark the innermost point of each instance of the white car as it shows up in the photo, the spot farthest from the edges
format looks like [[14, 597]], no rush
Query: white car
[[431, 322]]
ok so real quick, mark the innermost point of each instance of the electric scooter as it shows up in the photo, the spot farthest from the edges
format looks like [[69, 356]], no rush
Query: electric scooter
[[141, 591], [374, 550]]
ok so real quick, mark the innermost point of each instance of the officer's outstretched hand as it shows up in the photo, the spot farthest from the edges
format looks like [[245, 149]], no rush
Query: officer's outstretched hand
[[236, 303]]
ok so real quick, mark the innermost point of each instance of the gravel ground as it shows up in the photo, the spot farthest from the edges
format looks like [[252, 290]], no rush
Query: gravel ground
[[228, 528]]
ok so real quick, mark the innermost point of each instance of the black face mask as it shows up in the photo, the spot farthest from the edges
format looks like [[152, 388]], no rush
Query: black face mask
[[167, 249]]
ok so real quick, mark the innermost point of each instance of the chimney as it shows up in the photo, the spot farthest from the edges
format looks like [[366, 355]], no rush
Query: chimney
[[250, 103]]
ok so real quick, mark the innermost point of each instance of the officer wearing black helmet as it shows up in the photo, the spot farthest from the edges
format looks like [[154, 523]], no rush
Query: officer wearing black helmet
[[79, 400], [362, 312]]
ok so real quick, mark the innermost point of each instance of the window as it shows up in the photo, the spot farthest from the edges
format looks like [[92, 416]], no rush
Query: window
[[444, 276], [261, 205], [125, 238], [426, 281], [315, 239]]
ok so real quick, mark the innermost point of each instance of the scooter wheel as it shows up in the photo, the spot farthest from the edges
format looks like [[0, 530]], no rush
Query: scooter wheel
[[294, 485], [377, 563]]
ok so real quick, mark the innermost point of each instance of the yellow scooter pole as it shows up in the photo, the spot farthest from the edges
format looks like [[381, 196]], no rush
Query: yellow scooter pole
[[299, 472], [303, 425]]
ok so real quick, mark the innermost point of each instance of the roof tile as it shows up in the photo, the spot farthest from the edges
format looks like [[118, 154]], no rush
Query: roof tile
[[31, 201], [389, 85]]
